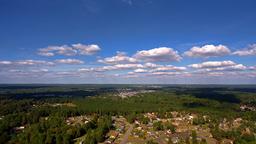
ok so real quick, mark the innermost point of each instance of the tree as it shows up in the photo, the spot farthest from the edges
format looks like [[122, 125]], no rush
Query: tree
[[151, 142], [170, 126], [194, 137], [158, 126], [203, 141]]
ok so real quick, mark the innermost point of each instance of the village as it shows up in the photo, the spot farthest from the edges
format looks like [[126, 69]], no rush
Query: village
[[176, 127], [169, 130], [173, 127], [125, 93]]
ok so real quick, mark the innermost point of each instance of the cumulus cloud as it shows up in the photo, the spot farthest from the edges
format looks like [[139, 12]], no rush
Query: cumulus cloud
[[69, 61], [72, 50], [61, 50], [252, 74], [33, 62], [169, 68], [211, 64], [251, 50], [67, 73], [131, 76], [27, 72], [151, 65], [121, 57], [5, 62], [85, 70], [86, 49], [140, 70], [161, 54], [215, 74], [40, 70], [167, 73], [32, 71], [112, 68], [208, 51], [218, 66], [252, 68], [137, 68], [128, 66], [47, 54]]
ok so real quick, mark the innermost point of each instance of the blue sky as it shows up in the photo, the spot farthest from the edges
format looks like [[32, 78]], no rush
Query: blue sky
[[115, 41]]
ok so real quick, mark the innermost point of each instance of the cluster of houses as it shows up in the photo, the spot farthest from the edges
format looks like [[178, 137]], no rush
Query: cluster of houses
[[247, 108], [124, 93], [141, 132], [19, 129], [83, 119], [120, 127], [181, 122]]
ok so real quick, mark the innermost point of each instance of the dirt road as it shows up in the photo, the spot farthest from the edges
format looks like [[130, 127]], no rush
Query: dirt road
[[127, 134]]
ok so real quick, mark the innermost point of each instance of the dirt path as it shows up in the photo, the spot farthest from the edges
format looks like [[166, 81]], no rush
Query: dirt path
[[127, 134]]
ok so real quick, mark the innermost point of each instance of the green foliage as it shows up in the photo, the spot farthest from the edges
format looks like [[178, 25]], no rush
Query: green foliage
[[96, 135], [170, 126], [194, 137], [151, 142], [199, 121], [158, 126], [131, 117], [143, 119], [203, 141]]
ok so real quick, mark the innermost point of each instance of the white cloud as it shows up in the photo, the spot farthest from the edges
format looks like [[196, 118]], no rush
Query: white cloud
[[252, 74], [104, 68], [48, 54], [28, 72], [169, 68], [218, 66], [112, 68], [131, 73], [151, 65], [24, 65], [252, 68], [39, 70], [69, 61], [160, 54], [67, 73], [131, 76], [86, 49], [140, 70], [121, 57], [61, 50], [85, 70], [33, 62], [251, 50], [128, 66], [5, 62], [72, 50], [211, 64], [215, 74], [208, 51], [167, 73]]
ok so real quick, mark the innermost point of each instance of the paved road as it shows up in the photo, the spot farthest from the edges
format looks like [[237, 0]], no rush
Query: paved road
[[127, 134]]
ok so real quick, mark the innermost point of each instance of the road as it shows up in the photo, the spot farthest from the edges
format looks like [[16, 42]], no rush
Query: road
[[127, 134]]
